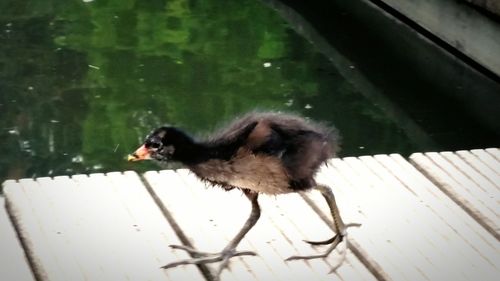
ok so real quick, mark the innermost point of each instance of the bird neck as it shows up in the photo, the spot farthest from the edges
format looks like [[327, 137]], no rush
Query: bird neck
[[191, 152], [194, 153]]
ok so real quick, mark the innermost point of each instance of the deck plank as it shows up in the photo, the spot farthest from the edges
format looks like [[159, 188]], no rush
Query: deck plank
[[495, 152], [487, 159], [97, 227], [439, 222], [13, 263], [466, 184], [490, 173], [411, 229], [362, 187], [210, 217], [480, 248]]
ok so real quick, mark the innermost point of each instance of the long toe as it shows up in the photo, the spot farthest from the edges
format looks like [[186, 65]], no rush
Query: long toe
[[310, 257], [318, 256], [202, 260], [334, 238], [334, 242], [192, 251], [204, 257], [323, 242], [225, 256]]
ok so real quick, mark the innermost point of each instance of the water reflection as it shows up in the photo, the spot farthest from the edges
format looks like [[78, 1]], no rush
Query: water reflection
[[81, 83]]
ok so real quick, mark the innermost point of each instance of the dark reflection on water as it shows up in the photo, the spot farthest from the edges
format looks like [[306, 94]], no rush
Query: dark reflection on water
[[82, 83]]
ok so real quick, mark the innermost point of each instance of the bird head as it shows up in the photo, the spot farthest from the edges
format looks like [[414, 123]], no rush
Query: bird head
[[161, 145]]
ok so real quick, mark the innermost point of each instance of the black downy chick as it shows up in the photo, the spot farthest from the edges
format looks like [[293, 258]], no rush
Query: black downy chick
[[261, 152]]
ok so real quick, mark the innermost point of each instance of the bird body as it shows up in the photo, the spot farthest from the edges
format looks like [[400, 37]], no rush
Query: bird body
[[245, 170], [259, 153], [264, 152]]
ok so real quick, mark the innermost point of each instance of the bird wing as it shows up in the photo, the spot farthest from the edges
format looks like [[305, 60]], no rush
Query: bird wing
[[301, 151], [264, 139]]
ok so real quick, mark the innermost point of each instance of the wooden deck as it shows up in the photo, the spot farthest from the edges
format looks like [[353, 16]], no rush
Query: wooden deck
[[433, 217]]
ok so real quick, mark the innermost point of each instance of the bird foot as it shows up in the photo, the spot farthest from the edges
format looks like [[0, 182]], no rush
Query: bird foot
[[204, 257], [334, 242]]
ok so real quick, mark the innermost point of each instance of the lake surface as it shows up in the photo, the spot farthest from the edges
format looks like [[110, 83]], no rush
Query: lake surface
[[82, 82]]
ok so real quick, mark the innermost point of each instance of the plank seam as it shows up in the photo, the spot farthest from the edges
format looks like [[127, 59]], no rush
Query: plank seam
[[477, 153], [205, 271], [491, 152], [459, 200], [36, 270], [470, 162], [457, 183]]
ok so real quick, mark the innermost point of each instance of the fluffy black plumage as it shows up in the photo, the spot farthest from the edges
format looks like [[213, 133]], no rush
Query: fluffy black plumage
[[261, 152], [252, 148]]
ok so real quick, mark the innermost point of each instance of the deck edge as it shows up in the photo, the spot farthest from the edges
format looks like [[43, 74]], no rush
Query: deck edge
[[36, 270]]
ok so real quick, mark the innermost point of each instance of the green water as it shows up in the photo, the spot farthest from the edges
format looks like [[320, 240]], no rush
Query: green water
[[81, 83]]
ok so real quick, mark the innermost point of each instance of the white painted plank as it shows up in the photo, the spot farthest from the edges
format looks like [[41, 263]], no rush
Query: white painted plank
[[468, 188], [481, 181], [27, 219], [495, 152], [449, 211], [155, 232], [487, 159], [13, 263], [484, 203], [388, 208], [475, 251], [169, 188], [95, 227], [411, 229], [421, 254], [476, 163], [54, 225], [210, 217]]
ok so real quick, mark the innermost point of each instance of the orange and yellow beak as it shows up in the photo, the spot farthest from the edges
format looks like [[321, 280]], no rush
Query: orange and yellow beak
[[142, 153]]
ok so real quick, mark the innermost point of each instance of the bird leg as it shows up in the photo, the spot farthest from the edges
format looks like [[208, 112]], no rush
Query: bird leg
[[229, 251], [340, 230]]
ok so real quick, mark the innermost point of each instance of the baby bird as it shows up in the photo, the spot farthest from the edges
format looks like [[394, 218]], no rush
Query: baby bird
[[261, 152]]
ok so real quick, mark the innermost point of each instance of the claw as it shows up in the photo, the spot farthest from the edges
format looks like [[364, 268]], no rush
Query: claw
[[331, 240], [324, 242], [334, 242]]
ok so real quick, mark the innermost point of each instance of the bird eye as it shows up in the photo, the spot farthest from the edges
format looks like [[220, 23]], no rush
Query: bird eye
[[154, 144]]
